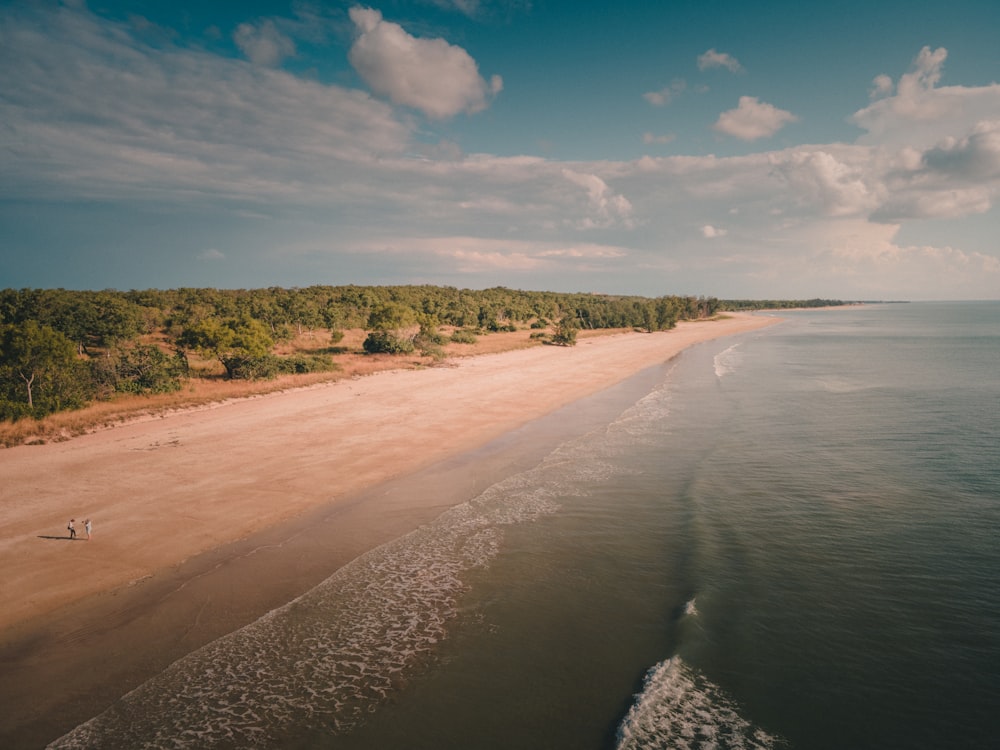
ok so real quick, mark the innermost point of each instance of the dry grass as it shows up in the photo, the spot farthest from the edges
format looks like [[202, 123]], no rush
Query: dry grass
[[210, 387]]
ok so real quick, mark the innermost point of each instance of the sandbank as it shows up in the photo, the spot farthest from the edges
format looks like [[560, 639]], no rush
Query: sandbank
[[206, 519]]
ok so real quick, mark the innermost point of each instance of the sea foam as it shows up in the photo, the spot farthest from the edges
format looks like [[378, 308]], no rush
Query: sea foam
[[678, 709]]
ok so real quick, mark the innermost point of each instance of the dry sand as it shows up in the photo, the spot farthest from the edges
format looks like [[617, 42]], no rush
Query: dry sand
[[175, 498]]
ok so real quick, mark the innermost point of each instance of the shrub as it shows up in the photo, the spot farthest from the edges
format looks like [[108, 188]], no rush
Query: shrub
[[384, 342], [140, 369], [302, 363], [463, 336], [428, 339], [243, 367], [565, 333]]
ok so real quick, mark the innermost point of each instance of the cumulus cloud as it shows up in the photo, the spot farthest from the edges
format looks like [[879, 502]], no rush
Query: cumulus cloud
[[912, 99], [976, 156], [713, 59], [431, 75], [957, 177], [882, 85], [753, 119], [710, 233], [263, 44], [869, 257], [606, 208], [941, 203], [917, 113], [834, 186]]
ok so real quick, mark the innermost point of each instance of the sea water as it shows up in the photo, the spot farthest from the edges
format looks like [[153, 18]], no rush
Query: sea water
[[790, 541]]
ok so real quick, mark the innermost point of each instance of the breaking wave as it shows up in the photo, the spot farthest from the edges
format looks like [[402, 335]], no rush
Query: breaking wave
[[727, 361], [678, 709]]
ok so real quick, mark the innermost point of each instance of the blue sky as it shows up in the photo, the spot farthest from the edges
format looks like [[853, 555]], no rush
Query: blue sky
[[727, 148]]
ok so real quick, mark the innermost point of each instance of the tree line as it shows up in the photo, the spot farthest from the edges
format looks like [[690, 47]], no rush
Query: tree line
[[61, 349]]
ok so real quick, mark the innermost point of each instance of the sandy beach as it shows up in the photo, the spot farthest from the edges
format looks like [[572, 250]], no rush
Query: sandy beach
[[205, 519]]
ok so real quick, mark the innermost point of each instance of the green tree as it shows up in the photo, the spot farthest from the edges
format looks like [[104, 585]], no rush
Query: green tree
[[392, 316], [40, 372], [242, 345], [565, 332], [139, 368], [387, 324]]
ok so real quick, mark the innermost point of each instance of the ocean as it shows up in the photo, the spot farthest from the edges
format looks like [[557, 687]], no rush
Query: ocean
[[785, 539]]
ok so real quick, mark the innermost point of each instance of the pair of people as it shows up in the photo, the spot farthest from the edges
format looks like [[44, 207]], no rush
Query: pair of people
[[87, 525]]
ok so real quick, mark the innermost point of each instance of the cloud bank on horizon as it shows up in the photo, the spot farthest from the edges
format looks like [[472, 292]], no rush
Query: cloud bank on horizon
[[478, 143]]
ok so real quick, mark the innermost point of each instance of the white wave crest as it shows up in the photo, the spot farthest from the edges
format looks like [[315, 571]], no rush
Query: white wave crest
[[727, 361], [678, 709]]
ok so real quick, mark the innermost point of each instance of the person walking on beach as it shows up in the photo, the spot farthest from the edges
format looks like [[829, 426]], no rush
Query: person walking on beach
[[89, 527], [72, 528]]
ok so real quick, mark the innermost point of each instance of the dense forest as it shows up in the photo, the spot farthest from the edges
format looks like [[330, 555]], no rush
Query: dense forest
[[63, 349]]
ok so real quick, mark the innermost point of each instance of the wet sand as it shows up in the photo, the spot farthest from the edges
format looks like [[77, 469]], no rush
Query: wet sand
[[204, 520]]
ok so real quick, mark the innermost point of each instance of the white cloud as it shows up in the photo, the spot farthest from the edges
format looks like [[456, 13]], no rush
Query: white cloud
[[835, 187], [920, 114], [976, 156], [431, 75], [753, 119], [959, 176], [606, 208], [97, 112], [90, 112], [943, 203], [263, 44], [912, 99], [926, 73], [650, 139], [469, 254], [713, 59], [882, 85], [657, 98], [663, 96], [212, 254], [869, 258]]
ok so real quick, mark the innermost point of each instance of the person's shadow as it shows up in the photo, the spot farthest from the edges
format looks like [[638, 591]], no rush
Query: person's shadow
[[63, 538]]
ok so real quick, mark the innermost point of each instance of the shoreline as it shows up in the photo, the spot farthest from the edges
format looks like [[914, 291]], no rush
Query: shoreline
[[250, 548]]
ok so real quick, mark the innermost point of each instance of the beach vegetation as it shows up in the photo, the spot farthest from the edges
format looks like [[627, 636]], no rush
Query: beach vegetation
[[40, 372], [63, 349], [429, 341], [387, 342], [565, 333], [241, 344], [140, 368]]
